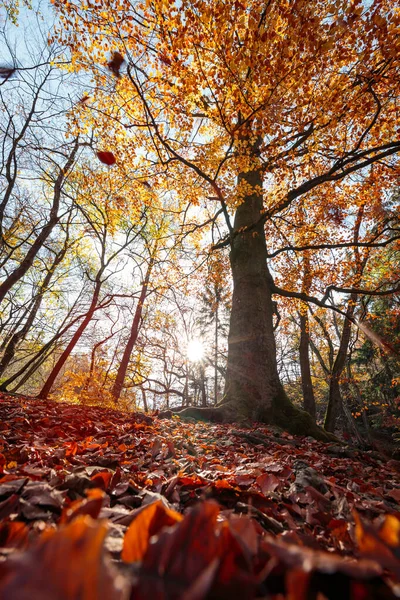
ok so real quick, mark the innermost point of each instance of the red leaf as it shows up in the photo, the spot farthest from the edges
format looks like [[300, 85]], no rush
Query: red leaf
[[184, 552], [267, 482], [107, 158], [395, 494]]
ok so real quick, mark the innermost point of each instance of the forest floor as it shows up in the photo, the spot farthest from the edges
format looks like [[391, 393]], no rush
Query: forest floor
[[97, 504]]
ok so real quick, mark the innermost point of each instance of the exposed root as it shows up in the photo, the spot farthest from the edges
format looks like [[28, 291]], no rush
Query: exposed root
[[288, 417]]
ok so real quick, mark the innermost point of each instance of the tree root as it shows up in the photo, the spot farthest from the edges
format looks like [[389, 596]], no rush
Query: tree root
[[288, 417]]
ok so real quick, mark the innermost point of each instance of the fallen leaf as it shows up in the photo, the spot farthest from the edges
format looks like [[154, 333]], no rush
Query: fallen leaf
[[148, 522]]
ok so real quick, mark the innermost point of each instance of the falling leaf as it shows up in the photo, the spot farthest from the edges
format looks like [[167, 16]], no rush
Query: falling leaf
[[107, 158], [116, 63], [6, 72]]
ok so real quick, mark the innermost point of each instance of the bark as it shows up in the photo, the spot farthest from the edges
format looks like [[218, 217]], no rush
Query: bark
[[144, 398], [335, 403], [305, 368], [123, 367], [203, 387], [253, 389], [216, 348]]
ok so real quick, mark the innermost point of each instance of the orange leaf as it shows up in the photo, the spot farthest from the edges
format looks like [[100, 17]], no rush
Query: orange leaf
[[66, 564], [13, 534], [102, 479], [390, 531], [148, 522], [88, 506], [223, 484]]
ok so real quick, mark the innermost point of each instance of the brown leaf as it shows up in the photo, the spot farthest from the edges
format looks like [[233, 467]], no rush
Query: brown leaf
[[6, 72], [156, 447], [116, 63], [395, 494], [267, 482], [88, 506]]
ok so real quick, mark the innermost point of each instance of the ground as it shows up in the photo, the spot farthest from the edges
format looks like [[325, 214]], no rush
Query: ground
[[232, 512]]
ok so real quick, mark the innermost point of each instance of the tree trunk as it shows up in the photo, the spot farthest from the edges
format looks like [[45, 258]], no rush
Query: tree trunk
[[216, 349], [123, 367], [305, 369], [335, 397], [335, 404], [20, 335], [253, 389], [40, 240], [45, 391]]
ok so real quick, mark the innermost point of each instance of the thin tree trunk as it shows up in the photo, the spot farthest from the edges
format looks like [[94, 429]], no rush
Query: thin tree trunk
[[216, 353], [27, 261], [45, 348], [74, 340], [335, 404], [305, 368], [123, 367], [36, 365], [203, 387], [364, 415], [145, 406], [20, 335]]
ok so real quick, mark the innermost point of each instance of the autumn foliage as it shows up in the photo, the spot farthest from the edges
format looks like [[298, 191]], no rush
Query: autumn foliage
[[188, 510]]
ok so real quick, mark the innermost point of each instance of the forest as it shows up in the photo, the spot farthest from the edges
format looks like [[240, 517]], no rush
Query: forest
[[200, 309]]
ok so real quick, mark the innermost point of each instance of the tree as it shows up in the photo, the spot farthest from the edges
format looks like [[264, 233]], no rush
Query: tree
[[135, 326], [36, 161], [100, 226], [254, 106]]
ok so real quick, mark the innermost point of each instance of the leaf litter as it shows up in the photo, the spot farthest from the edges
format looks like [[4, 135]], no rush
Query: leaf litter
[[98, 504]]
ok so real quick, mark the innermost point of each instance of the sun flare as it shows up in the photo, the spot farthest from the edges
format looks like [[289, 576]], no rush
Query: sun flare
[[195, 350]]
